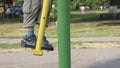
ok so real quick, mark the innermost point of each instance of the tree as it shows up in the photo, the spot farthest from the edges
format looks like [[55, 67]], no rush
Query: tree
[[93, 4]]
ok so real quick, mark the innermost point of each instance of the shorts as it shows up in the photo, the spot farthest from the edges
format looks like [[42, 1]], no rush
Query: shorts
[[32, 12]]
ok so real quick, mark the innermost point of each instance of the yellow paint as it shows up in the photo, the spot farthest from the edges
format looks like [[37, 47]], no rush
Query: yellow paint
[[41, 30]]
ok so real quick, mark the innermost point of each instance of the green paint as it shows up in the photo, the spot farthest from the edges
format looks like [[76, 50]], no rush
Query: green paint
[[64, 33]]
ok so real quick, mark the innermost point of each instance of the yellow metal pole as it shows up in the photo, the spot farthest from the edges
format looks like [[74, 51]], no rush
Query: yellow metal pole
[[41, 30]]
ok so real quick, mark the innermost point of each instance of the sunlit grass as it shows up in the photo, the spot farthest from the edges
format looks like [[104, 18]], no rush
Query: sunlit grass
[[11, 30], [88, 31], [9, 46], [77, 30], [94, 31], [74, 45]]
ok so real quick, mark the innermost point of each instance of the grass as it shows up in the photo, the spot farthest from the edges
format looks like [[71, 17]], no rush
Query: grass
[[77, 30], [11, 30], [15, 30], [94, 45], [10, 46], [94, 31], [74, 45], [76, 16]]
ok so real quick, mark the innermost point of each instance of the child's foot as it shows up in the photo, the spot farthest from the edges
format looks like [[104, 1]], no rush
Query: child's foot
[[29, 42], [46, 45]]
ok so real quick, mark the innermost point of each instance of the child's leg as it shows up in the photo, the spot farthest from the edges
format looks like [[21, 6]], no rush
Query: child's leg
[[30, 10]]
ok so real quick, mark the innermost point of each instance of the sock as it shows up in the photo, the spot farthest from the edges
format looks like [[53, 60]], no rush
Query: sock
[[30, 33]]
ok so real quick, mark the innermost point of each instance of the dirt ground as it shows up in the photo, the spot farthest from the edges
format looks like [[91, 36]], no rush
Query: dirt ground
[[80, 58]]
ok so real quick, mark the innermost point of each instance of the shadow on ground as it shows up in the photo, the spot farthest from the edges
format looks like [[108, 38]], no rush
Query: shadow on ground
[[115, 63]]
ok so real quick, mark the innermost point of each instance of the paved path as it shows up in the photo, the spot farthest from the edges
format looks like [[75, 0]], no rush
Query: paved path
[[80, 58], [84, 39]]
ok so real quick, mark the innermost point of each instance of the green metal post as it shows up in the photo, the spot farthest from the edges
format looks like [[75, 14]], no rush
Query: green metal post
[[64, 33]]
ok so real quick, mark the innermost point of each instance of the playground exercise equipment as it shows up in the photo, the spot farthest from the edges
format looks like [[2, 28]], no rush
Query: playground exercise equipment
[[64, 33], [41, 30], [40, 44]]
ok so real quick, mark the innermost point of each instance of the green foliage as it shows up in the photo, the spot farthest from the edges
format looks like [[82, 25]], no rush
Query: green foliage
[[93, 4], [53, 13]]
